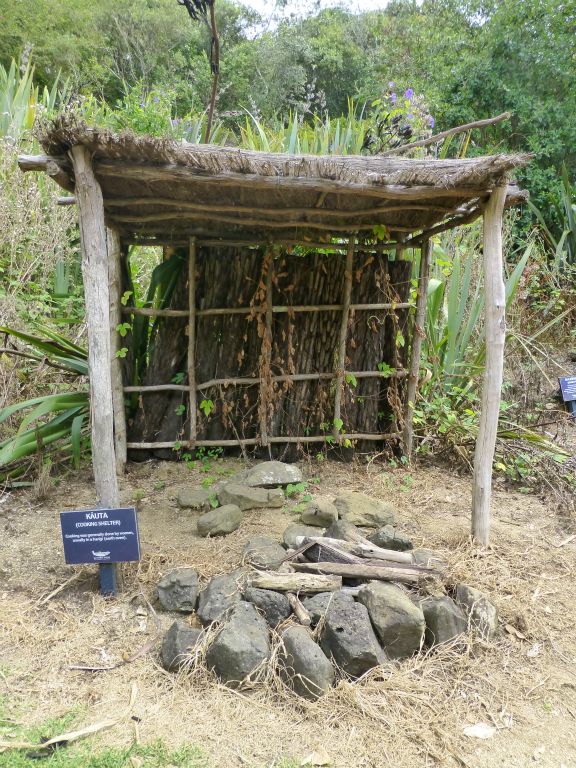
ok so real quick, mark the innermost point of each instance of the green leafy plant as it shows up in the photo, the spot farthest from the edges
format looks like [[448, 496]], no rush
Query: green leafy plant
[[56, 422]]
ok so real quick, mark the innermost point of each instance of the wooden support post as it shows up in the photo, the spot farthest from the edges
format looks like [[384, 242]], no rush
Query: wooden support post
[[341, 360], [417, 337], [96, 297], [115, 296], [495, 334], [266, 352], [192, 340]]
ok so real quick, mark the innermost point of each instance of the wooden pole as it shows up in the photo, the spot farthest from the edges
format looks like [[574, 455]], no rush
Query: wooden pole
[[341, 359], [115, 296], [266, 352], [192, 340], [96, 297], [417, 336], [495, 333]]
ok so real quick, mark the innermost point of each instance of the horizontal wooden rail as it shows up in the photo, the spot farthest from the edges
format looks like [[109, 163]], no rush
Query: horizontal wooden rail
[[258, 242], [398, 373], [256, 441], [261, 309]]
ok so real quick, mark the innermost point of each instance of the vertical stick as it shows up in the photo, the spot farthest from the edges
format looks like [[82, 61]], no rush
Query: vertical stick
[[266, 352], [341, 360], [115, 296], [495, 333], [192, 340], [417, 336], [96, 296]]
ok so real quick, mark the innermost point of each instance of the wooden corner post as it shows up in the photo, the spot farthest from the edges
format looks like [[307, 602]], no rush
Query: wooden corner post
[[415, 353], [115, 296], [495, 333], [97, 300]]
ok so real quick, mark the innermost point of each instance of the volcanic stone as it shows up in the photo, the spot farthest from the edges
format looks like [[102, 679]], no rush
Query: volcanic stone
[[349, 639], [177, 642], [482, 612], [444, 620], [274, 606], [363, 510], [295, 530], [320, 513], [262, 552], [246, 497], [178, 590], [390, 538], [271, 473], [194, 498], [319, 604], [342, 529], [398, 622], [219, 521], [304, 664], [221, 593], [242, 645]]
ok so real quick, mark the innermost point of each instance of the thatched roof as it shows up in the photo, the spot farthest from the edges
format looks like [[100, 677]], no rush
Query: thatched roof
[[171, 190]]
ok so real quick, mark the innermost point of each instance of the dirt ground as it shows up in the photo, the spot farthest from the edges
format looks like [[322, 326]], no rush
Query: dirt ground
[[411, 714]]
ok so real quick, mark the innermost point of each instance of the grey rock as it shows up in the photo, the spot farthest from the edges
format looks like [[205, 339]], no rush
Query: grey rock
[[178, 641], [318, 605], [242, 645], [219, 521], [271, 473], [444, 620], [245, 497], [341, 529], [428, 558], [274, 606], [398, 622], [194, 498], [220, 594], [295, 530], [349, 639], [178, 590], [363, 510], [482, 613], [320, 513], [305, 665], [262, 552], [390, 538]]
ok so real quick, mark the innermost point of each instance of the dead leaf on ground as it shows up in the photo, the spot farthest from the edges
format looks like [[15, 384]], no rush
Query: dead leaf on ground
[[480, 731], [318, 757], [514, 632]]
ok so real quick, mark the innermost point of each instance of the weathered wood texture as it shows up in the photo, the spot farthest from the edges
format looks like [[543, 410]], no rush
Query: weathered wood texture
[[495, 333], [416, 349], [191, 358], [294, 582], [380, 572], [115, 296], [97, 299]]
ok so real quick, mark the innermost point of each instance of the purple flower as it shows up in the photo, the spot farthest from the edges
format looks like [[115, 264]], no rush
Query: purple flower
[[409, 117], [409, 94], [390, 84], [393, 98], [431, 121], [155, 99]]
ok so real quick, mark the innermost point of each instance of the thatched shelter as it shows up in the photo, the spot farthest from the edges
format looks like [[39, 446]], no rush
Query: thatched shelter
[[208, 200]]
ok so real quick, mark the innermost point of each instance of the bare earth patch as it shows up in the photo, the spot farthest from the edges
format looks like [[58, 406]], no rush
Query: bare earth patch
[[412, 714]]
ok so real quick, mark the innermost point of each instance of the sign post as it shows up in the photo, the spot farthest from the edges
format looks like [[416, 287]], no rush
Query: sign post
[[568, 388], [102, 536]]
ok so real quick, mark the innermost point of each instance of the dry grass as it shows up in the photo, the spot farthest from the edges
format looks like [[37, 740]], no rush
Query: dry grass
[[409, 714]]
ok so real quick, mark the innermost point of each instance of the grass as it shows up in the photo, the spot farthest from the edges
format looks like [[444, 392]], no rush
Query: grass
[[83, 753]]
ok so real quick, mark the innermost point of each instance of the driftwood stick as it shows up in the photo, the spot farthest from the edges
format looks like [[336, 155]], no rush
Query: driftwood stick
[[360, 549], [341, 358], [297, 439], [405, 575], [319, 551], [495, 325], [192, 339], [295, 582], [279, 310], [445, 134], [300, 612], [415, 353], [68, 200]]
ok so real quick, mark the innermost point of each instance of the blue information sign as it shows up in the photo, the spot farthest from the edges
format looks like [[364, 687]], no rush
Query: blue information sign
[[568, 387], [100, 535]]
